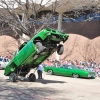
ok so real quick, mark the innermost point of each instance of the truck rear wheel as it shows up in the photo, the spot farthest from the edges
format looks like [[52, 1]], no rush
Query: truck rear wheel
[[13, 77], [32, 77]]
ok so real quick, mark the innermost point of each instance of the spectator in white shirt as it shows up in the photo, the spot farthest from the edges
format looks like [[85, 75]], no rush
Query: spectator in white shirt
[[39, 71]]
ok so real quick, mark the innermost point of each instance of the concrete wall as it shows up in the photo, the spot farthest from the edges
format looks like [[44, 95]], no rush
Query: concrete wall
[[81, 34], [90, 30]]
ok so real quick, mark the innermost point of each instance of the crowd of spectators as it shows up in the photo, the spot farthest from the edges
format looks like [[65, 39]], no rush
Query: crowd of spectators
[[86, 65], [7, 57]]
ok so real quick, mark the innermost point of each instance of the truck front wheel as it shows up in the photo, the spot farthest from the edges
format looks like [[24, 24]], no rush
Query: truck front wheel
[[60, 49]]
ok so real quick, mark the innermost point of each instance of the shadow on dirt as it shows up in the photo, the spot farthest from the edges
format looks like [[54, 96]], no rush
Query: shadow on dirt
[[18, 92], [43, 81], [48, 81]]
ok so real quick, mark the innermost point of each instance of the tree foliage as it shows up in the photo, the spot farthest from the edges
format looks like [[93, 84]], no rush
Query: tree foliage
[[23, 17]]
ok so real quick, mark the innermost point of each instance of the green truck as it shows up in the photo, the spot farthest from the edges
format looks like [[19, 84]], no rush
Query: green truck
[[32, 53]]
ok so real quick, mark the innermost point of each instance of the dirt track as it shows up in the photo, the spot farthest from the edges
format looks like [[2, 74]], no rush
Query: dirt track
[[50, 88]]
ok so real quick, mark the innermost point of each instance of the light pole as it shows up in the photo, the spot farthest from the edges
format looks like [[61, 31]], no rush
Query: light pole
[[59, 28]]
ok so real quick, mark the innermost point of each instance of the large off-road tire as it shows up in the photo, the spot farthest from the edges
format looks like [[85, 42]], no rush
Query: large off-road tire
[[39, 47], [50, 72], [60, 49], [13, 77], [32, 77]]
